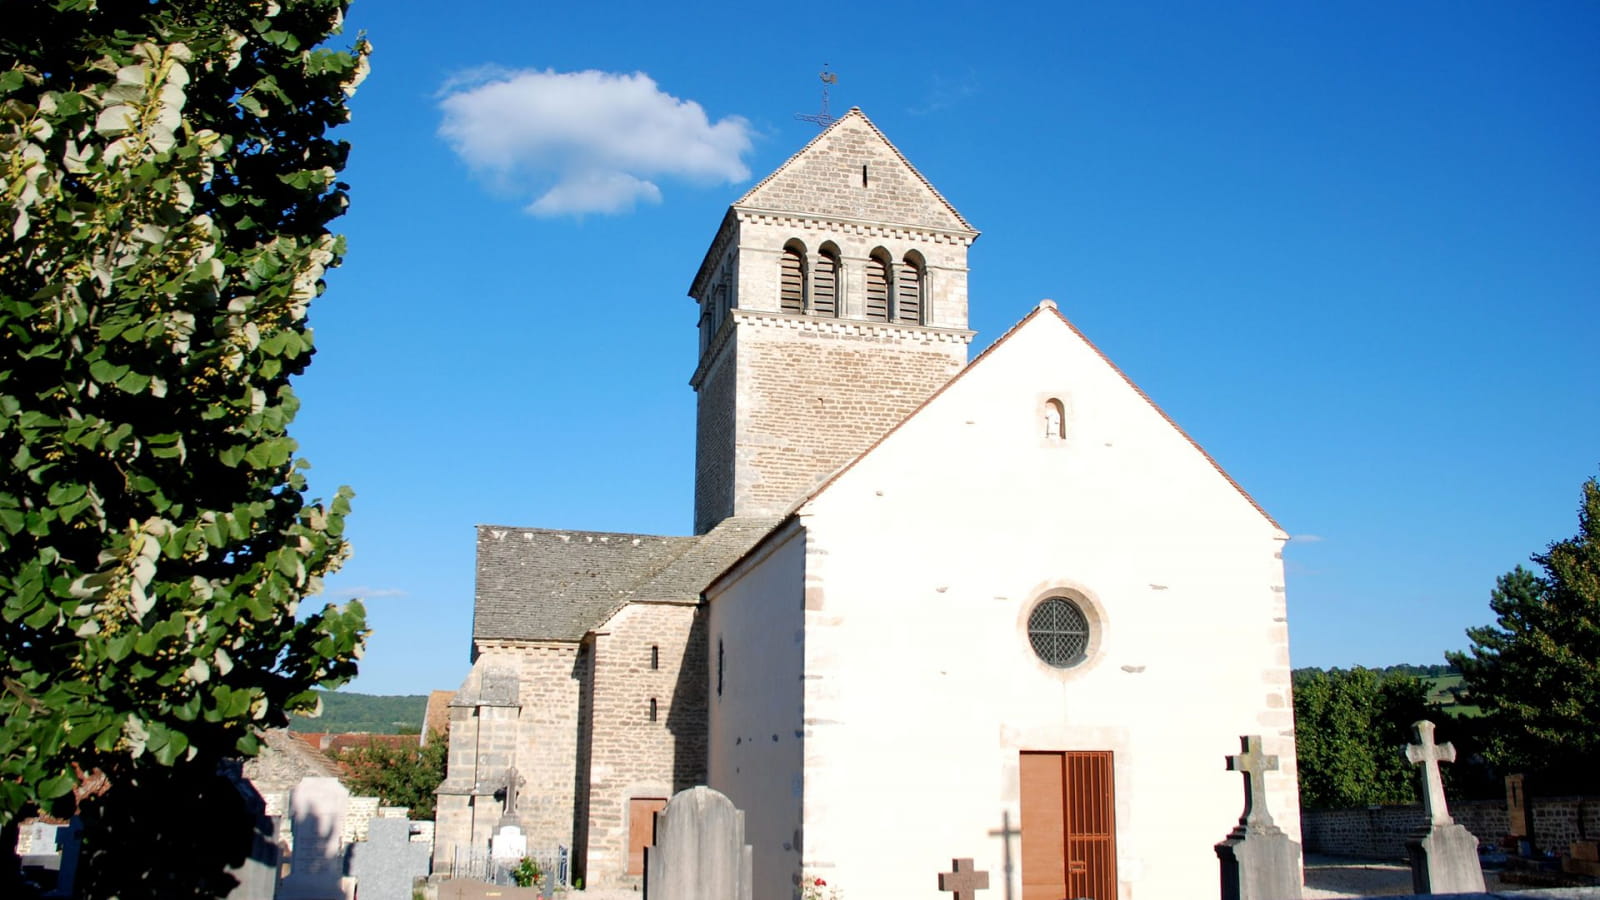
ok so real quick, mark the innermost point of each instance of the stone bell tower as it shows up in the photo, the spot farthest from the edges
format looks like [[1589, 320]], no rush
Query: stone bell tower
[[833, 302]]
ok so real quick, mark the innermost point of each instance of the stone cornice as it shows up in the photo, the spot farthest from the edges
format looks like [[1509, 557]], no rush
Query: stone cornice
[[820, 325], [858, 227], [486, 644]]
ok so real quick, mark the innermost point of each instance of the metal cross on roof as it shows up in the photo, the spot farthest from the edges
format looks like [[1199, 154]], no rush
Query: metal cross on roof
[[965, 881], [824, 118], [1255, 765], [1428, 754]]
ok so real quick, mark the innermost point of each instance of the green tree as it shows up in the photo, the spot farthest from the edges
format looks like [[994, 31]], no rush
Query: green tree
[[399, 776], [1351, 728], [168, 180], [1536, 671]]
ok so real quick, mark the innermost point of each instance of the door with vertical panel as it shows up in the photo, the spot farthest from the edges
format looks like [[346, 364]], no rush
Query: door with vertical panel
[[1069, 847]]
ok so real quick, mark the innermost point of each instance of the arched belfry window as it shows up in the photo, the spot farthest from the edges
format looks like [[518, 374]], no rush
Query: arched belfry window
[[908, 293], [878, 284], [792, 279], [1055, 420], [825, 282]]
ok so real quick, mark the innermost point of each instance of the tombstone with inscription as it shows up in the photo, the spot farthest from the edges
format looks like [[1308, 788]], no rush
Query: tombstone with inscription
[[317, 868], [1259, 861], [387, 864], [1444, 857], [699, 852]]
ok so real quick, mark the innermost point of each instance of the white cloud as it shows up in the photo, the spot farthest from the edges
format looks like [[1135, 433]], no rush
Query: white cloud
[[1307, 539], [578, 142]]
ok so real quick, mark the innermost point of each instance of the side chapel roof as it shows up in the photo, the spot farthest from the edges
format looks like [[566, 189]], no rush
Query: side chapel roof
[[547, 585]]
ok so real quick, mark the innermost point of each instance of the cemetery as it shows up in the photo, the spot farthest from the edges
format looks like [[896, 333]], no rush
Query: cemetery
[[985, 626]]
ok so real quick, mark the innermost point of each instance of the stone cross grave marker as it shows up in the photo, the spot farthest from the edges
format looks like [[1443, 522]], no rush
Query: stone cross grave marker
[[1005, 834], [1428, 755], [1255, 765], [965, 881], [387, 863], [699, 851], [1444, 857], [1259, 861]]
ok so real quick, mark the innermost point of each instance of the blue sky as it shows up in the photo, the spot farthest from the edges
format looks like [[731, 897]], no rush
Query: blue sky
[[1353, 249]]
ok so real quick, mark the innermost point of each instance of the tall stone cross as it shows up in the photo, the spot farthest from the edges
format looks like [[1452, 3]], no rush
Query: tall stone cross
[[1005, 834], [1255, 765], [965, 881], [1428, 755]]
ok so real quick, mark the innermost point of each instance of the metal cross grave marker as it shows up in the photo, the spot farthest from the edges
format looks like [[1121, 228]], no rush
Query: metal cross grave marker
[[1428, 755], [965, 881], [1255, 765]]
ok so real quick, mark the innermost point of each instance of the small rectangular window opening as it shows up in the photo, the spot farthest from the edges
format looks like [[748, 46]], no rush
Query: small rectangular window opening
[[722, 657], [655, 656], [652, 709], [863, 176]]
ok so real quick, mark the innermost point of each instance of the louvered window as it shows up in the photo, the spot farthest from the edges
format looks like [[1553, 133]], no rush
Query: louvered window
[[877, 289], [825, 285], [792, 282], [908, 294]]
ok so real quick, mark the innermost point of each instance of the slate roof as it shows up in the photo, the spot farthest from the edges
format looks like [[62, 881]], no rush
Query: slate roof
[[547, 585]]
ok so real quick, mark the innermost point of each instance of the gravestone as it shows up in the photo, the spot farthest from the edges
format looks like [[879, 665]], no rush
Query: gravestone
[[964, 880], [1444, 857], [388, 862], [257, 873], [1519, 816], [316, 871], [1259, 861], [699, 851], [70, 839]]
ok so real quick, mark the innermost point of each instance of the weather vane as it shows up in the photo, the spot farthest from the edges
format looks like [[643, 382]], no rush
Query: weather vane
[[824, 118]]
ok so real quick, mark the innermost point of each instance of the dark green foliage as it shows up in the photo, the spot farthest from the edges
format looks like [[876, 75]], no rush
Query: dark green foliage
[[344, 712], [1351, 728], [399, 776], [1536, 671], [168, 182]]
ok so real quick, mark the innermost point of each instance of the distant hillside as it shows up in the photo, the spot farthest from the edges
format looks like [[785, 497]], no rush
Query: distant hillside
[[373, 713]]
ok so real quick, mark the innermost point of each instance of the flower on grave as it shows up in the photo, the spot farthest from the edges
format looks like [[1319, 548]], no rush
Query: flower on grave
[[811, 888]]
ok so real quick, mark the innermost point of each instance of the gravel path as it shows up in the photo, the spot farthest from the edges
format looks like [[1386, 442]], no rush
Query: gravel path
[[1330, 877]]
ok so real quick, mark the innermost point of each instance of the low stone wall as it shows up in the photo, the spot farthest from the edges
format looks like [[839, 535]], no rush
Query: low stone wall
[[1380, 832]]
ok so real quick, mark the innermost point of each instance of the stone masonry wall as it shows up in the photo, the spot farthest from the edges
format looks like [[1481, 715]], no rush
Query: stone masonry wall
[[828, 179], [630, 755], [713, 459], [538, 736], [547, 739], [1381, 832], [814, 394]]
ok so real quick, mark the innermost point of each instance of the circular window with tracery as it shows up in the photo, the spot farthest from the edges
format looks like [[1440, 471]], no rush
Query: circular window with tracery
[[1059, 632]]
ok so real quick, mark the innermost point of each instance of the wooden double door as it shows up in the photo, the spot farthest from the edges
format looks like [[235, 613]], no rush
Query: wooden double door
[[1069, 844]]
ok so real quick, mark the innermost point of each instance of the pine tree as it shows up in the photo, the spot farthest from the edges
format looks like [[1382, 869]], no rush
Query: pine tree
[[1536, 671]]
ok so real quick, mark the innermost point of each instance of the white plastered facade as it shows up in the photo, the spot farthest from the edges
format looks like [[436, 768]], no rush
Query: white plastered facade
[[876, 649]]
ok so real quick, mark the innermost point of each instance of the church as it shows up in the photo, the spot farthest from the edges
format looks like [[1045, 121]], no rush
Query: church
[[1003, 609]]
